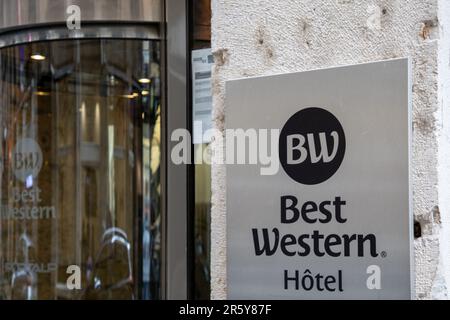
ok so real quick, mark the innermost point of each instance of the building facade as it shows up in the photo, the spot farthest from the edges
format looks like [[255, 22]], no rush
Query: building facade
[[255, 38], [93, 95]]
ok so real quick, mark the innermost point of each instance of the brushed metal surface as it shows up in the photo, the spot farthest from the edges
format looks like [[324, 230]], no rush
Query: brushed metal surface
[[27, 13], [176, 271], [373, 103], [110, 31]]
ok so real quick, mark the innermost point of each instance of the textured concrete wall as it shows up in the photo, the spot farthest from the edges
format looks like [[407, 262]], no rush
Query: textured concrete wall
[[263, 37]]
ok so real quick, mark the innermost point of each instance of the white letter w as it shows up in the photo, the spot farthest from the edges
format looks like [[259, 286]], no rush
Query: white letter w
[[323, 147]]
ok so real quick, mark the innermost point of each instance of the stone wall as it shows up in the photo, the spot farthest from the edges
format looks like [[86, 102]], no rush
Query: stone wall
[[263, 37]]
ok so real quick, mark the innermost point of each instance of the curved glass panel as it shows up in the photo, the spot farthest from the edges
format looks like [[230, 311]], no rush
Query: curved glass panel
[[80, 170]]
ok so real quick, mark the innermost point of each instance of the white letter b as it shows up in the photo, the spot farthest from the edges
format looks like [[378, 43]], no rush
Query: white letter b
[[299, 147]]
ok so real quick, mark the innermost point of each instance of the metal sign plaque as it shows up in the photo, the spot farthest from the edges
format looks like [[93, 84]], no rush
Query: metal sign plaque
[[318, 193]]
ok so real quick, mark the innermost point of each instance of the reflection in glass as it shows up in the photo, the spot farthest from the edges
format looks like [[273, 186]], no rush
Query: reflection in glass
[[80, 170]]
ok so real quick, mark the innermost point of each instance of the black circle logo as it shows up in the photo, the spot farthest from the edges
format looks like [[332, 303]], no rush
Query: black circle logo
[[312, 146]]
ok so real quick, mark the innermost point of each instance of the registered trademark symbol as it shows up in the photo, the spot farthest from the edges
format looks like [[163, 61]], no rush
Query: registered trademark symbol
[[383, 254]]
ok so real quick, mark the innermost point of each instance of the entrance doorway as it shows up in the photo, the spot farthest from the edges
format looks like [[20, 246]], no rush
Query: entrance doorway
[[91, 205], [81, 168]]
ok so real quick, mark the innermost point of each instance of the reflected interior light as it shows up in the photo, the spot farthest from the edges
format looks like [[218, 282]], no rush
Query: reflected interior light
[[129, 96], [38, 57], [145, 80], [135, 94], [145, 92], [42, 93], [29, 181]]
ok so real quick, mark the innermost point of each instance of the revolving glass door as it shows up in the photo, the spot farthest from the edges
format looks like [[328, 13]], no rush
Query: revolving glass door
[[80, 170]]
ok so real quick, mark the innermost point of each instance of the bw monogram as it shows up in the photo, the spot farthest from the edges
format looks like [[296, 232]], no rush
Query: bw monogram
[[312, 146]]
